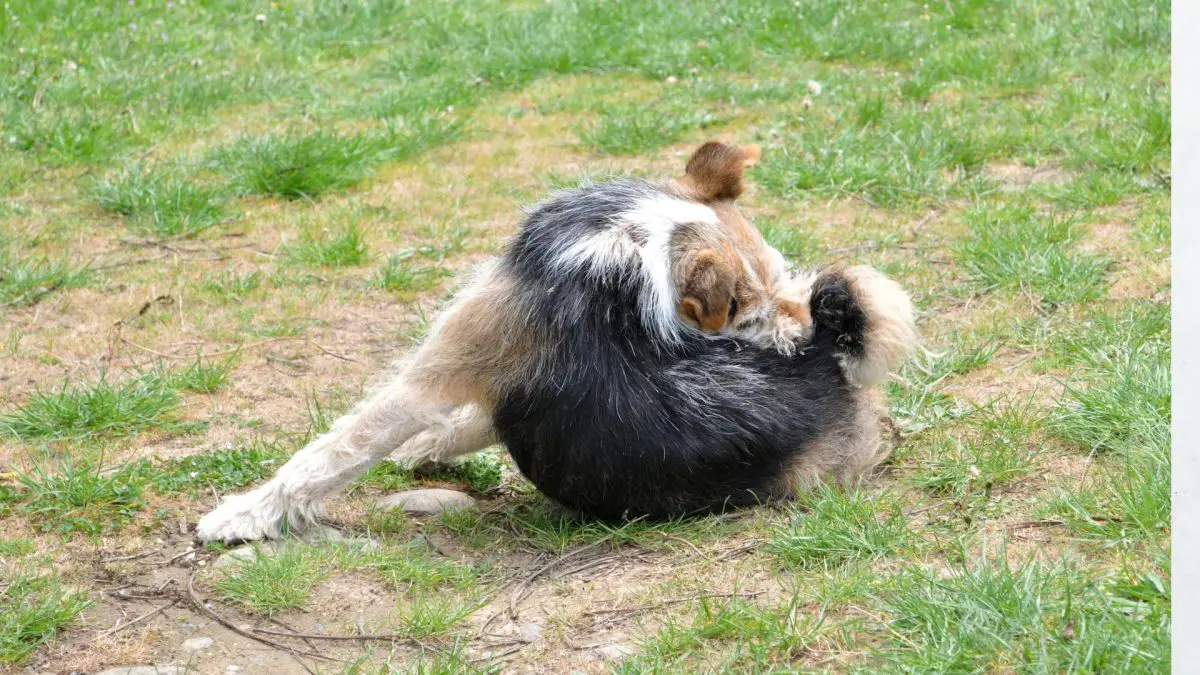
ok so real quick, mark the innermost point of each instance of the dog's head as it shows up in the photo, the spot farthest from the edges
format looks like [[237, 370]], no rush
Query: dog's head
[[729, 280]]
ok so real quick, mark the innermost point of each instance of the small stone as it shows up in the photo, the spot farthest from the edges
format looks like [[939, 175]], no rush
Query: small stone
[[530, 632], [188, 628], [197, 643], [246, 553], [614, 651], [428, 502], [145, 670]]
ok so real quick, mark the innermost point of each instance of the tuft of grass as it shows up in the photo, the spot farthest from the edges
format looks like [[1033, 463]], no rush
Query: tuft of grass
[[1127, 501], [410, 566], [223, 470], [201, 377], [230, 286], [344, 247], [16, 548], [159, 202], [1000, 448], [829, 527], [33, 607], [26, 278], [739, 634], [79, 496], [293, 166], [1015, 248], [401, 275], [1120, 395], [82, 410], [272, 582], [1027, 618], [61, 138], [435, 615]]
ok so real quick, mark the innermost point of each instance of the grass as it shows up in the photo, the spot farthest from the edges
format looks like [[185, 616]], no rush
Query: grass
[[80, 496], [160, 203], [294, 166], [1034, 618], [402, 276], [322, 175], [830, 527], [32, 610], [229, 286], [200, 377], [735, 633], [221, 470], [269, 583], [26, 278], [75, 411], [345, 247], [1014, 248]]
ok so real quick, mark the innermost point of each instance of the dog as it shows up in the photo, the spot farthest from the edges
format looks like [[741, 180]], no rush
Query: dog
[[640, 350]]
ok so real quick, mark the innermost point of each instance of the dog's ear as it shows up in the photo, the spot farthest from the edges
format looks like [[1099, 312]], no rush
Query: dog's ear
[[715, 170], [708, 291]]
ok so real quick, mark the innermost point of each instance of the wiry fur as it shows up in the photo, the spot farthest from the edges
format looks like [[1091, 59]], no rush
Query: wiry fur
[[575, 350]]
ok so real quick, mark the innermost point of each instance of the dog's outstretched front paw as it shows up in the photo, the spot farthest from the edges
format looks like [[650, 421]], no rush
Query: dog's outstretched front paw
[[240, 518]]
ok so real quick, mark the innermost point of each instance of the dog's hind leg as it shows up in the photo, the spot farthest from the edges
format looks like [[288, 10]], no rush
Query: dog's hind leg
[[435, 408], [470, 431]]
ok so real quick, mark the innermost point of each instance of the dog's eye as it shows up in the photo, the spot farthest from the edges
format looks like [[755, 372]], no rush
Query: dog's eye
[[733, 308]]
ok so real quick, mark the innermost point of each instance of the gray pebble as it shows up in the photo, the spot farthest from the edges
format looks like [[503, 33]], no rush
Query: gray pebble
[[428, 502]]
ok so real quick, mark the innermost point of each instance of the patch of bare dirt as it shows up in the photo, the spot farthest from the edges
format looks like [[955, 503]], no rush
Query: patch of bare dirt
[[1006, 378], [1017, 177]]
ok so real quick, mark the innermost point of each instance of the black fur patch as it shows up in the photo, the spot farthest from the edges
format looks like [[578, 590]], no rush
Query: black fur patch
[[617, 426]]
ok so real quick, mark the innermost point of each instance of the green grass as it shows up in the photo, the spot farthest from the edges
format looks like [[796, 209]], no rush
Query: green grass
[[26, 278], [294, 166], [229, 286], [80, 496], [641, 128], [33, 608], [403, 276], [1029, 618], [271, 582], [739, 635], [1016, 249], [435, 615], [1120, 395], [15, 548], [80, 410], [830, 526], [222, 470], [160, 203], [200, 377], [344, 247], [795, 243], [1001, 447]]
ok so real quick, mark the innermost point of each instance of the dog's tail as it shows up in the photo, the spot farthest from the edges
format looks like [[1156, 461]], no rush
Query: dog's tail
[[867, 317]]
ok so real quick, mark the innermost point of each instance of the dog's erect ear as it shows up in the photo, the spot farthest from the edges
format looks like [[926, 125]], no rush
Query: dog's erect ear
[[708, 291], [715, 170]]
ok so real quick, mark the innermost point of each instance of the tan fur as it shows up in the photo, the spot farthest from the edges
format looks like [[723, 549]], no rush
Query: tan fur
[[714, 171]]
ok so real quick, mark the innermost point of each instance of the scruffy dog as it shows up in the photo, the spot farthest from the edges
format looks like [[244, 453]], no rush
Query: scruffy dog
[[640, 351]]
